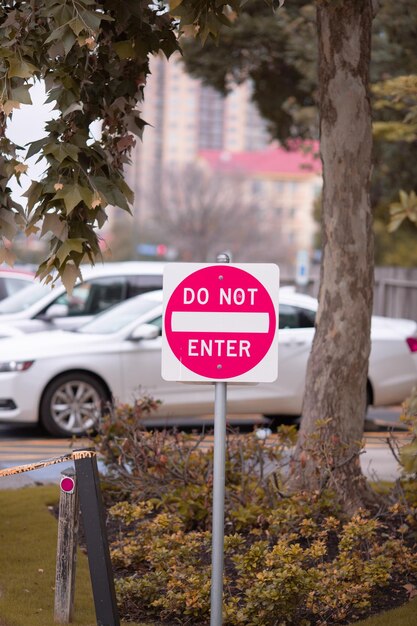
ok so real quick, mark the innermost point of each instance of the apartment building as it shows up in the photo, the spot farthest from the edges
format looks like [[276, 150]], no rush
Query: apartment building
[[283, 184], [184, 117], [189, 122]]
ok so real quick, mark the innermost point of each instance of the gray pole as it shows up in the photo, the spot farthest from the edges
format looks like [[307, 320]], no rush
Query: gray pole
[[218, 504], [219, 464]]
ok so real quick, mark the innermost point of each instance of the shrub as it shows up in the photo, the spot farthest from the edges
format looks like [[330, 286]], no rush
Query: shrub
[[269, 580], [174, 471], [290, 559], [408, 452]]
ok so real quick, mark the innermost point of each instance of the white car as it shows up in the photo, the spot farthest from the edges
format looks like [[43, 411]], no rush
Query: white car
[[63, 378], [42, 307], [13, 280]]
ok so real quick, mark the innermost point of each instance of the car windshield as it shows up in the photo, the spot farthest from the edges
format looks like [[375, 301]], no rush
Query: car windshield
[[119, 316], [24, 298]]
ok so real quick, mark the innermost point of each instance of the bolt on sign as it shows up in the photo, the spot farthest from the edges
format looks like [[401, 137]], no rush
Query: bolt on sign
[[220, 322]]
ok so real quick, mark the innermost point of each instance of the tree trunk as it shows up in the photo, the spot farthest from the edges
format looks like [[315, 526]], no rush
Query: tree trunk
[[327, 452]]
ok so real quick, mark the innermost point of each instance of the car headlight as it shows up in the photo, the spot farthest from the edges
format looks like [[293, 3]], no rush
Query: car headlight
[[15, 366]]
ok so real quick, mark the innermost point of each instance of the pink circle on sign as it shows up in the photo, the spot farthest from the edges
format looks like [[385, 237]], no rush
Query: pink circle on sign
[[67, 484], [220, 322]]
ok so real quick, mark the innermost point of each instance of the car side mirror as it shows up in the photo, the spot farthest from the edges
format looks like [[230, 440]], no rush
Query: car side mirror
[[145, 331], [56, 310]]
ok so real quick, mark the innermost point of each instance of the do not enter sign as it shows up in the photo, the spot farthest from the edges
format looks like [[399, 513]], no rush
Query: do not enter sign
[[220, 322]]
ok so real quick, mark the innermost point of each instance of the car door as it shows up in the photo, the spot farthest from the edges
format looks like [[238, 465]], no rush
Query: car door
[[284, 396], [294, 345], [87, 299], [141, 366]]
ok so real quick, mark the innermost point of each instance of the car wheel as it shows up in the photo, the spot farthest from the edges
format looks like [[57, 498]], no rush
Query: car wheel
[[72, 404]]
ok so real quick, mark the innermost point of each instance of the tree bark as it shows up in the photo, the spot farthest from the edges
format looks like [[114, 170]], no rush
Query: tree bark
[[327, 452]]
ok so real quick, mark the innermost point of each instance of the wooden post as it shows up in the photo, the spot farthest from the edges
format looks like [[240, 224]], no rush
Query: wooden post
[[67, 548]]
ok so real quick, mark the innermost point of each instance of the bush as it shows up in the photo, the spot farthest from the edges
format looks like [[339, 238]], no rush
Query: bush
[[289, 558], [408, 453], [174, 471]]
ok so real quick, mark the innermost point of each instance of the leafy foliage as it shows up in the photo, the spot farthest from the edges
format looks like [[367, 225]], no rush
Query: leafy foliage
[[94, 59], [394, 74], [290, 577], [399, 95], [277, 53], [408, 452], [406, 208], [289, 558], [162, 467]]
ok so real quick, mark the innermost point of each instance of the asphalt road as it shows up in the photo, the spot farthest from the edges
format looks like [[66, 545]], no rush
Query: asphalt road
[[24, 445], [377, 420]]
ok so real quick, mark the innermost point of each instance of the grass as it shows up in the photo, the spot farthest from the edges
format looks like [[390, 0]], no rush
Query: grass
[[28, 537], [403, 616]]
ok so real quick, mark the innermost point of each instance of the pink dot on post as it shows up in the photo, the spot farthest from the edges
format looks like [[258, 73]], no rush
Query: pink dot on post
[[67, 484]]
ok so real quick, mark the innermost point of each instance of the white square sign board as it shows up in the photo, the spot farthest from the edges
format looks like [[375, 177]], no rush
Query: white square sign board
[[220, 322]]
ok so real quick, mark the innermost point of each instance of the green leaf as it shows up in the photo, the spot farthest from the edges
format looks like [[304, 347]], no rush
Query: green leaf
[[20, 68], [124, 49], [69, 276], [92, 19], [403, 197], [126, 190], [8, 227], [21, 94], [36, 146], [70, 245], [68, 41], [7, 256], [33, 194], [56, 34], [169, 45], [86, 195], [72, 197], [174, 4], [75, 106], [52, 223], [101, 218], [110, 192], [77, 26], [395, 223], [62, 151], [408, 456]]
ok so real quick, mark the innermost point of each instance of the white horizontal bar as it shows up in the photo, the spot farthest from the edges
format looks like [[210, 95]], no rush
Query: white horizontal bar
[[190, 321]]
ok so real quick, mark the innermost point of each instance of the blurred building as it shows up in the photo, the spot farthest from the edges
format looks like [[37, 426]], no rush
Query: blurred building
[[189, 122], [282, 184], [184, 117]]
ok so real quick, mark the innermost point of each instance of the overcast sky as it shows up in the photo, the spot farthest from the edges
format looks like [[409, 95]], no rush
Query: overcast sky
[[28, 124]]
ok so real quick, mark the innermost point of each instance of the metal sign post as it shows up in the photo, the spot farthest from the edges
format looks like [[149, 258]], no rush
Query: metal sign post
[[219, 482], [219, 469]]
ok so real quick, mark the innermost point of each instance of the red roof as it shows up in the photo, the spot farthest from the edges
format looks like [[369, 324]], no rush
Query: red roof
[[275, 160]]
